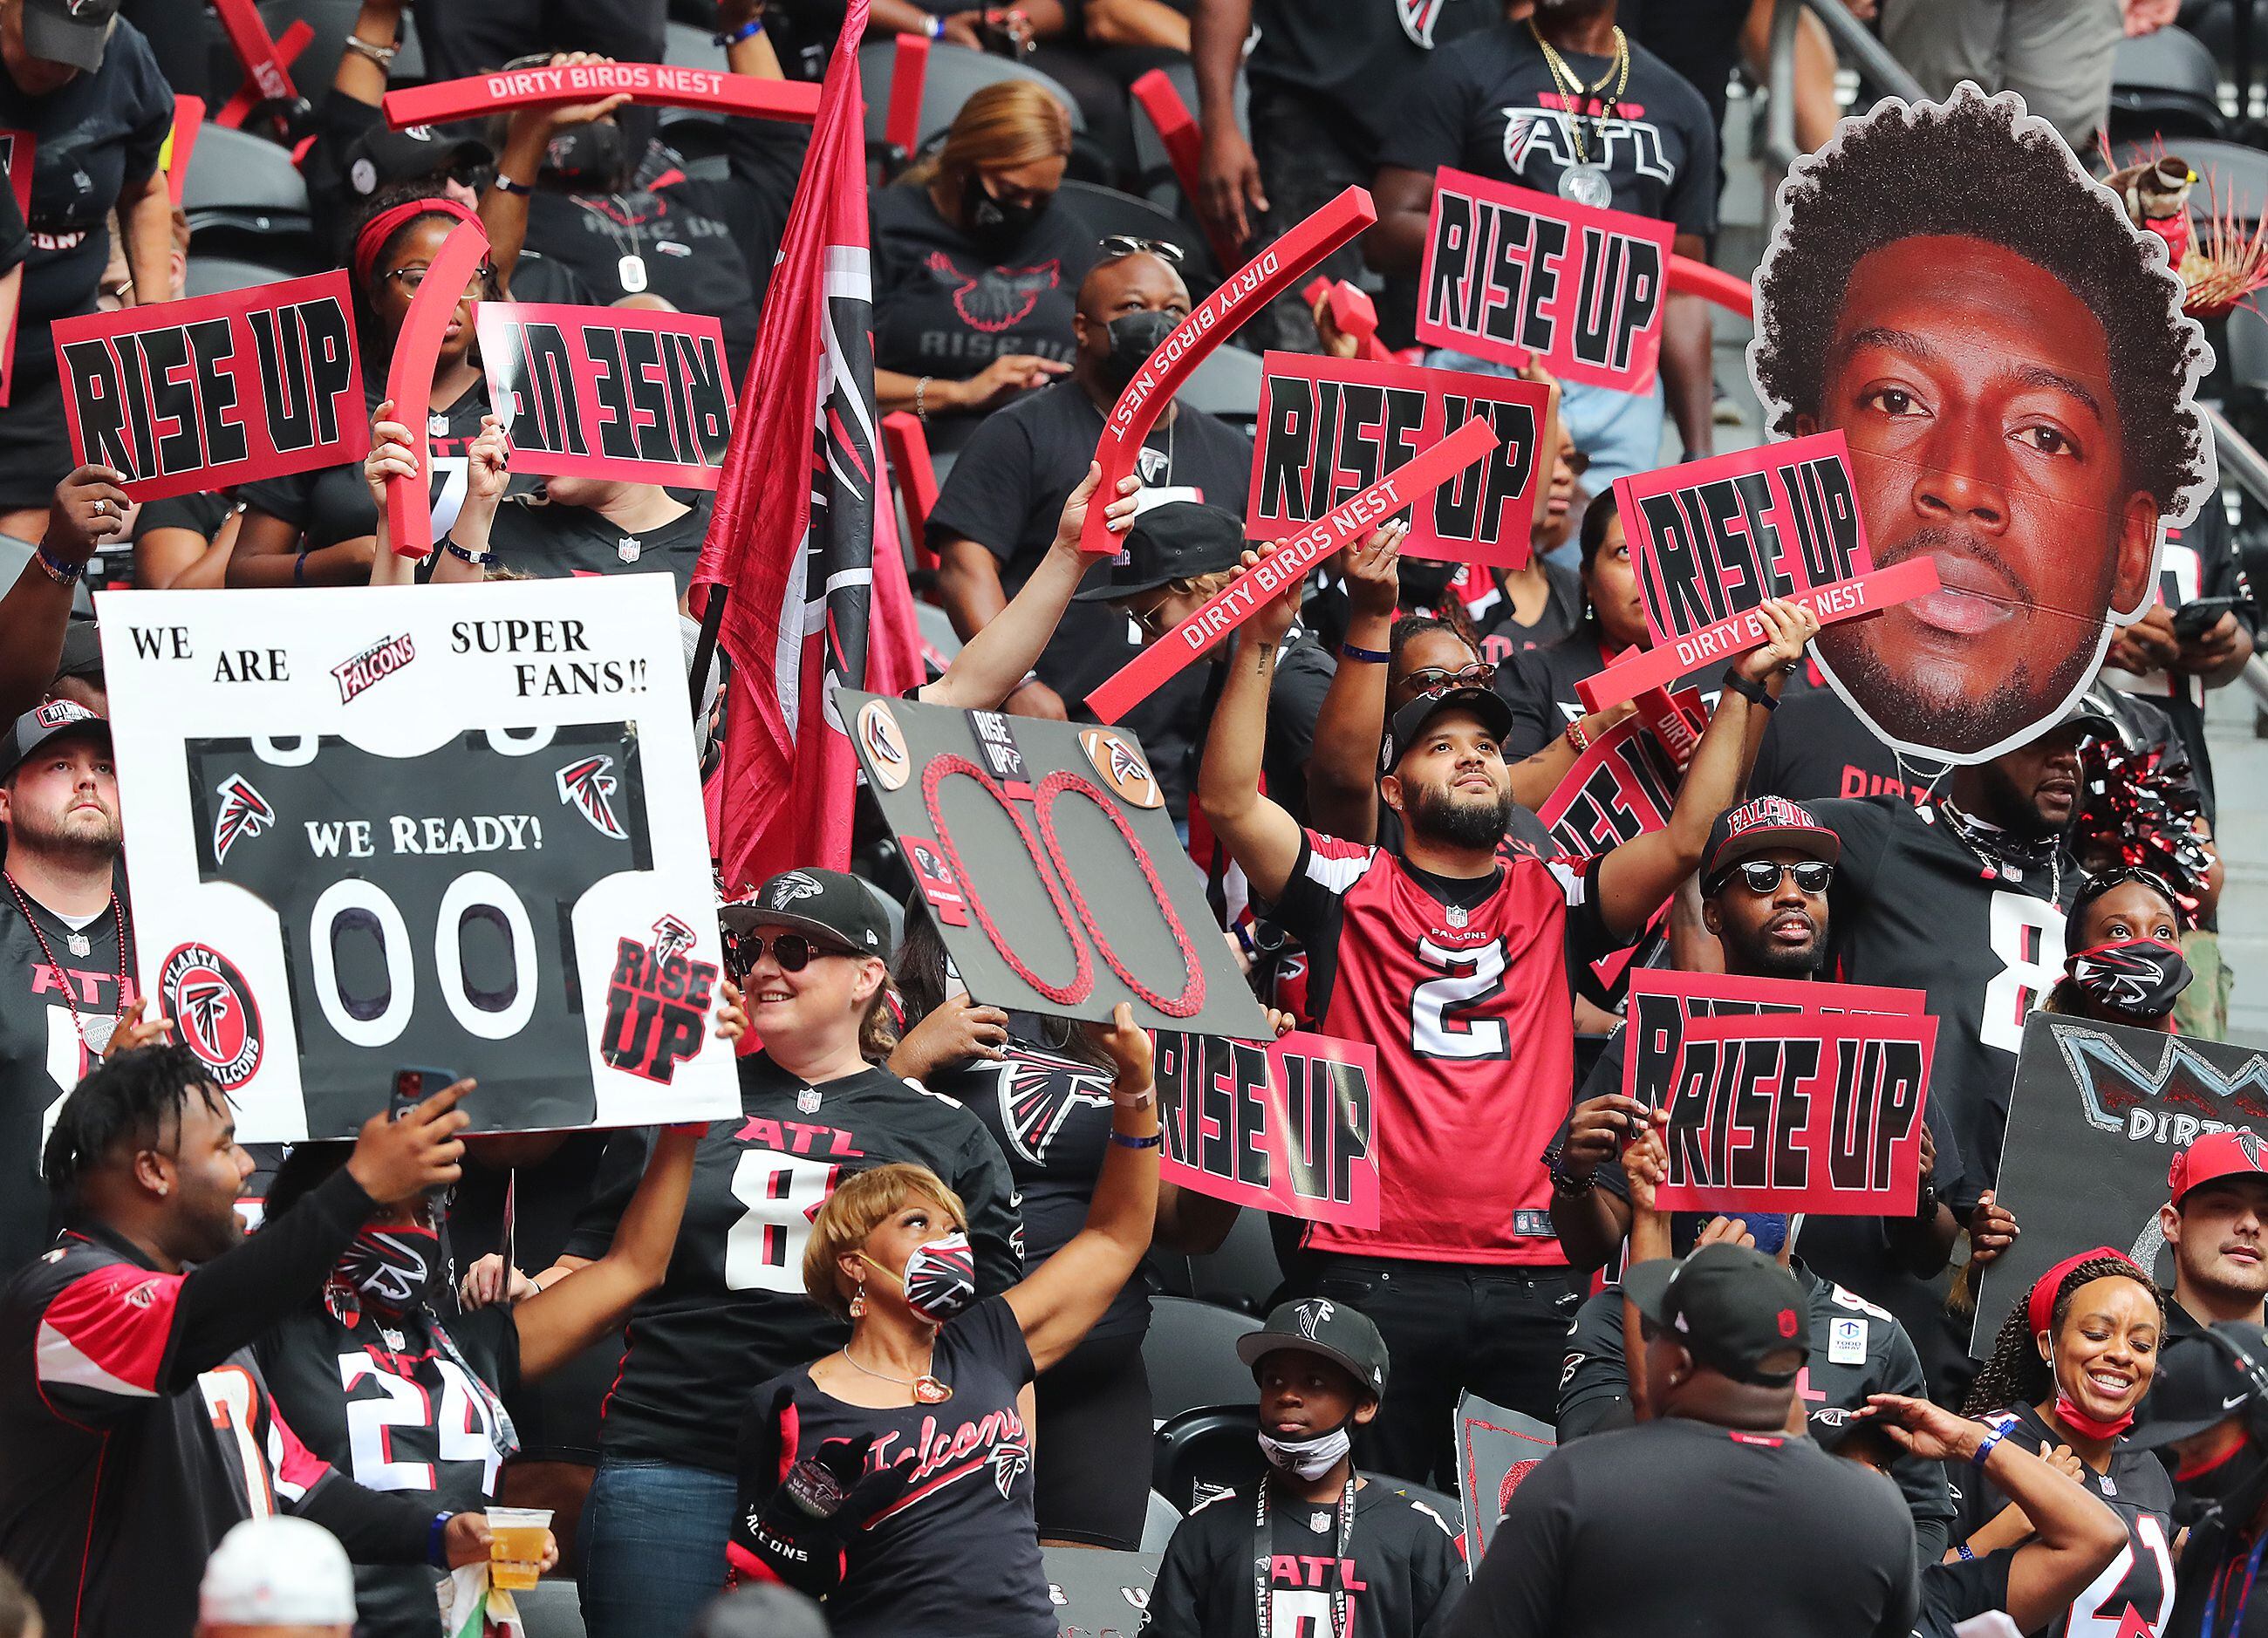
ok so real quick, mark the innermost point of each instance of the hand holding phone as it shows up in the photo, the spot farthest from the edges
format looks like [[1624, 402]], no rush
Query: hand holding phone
[[2193, 620]]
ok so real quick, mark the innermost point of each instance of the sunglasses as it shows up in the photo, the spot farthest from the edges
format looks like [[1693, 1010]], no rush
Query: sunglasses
[[1115, 245], [1763, 876], [792, 951], [1434, 678]]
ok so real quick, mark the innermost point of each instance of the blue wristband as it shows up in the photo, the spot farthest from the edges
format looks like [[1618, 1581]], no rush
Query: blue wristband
[[1155, 1140], [436, 1542], [1966, 1556], [748, 30], [300, 567], [936, 26], [1985, 1449], [1376, 657]]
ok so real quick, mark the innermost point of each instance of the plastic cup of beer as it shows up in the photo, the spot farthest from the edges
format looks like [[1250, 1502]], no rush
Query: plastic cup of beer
[[516, 1547]]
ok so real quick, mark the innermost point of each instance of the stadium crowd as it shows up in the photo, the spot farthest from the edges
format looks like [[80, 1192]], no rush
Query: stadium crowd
[[745, 1366]]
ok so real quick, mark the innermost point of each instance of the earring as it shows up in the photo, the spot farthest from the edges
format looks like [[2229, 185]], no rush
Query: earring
[[858, 1301]]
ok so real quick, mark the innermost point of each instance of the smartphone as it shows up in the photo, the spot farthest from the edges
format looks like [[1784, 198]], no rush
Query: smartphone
[[2192, 620], [413, 1086]]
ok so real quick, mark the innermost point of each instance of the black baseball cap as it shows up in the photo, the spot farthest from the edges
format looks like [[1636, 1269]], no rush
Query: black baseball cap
[[380, 156], [1760, 826], [1180, 540], [1410, 720], [2094, 715], [833, 906], [1732, 1307], [1317, 1324], [82, 651], [2199, 1384], [49, 720], [75, 32]]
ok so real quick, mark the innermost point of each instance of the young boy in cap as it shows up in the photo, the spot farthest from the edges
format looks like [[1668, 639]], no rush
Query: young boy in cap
[[1346, 1555]]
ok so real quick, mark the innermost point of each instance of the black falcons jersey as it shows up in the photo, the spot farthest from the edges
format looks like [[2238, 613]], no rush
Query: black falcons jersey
[[332, 504], [375, 867], [381, 1399], [552, 542], [1856, 1349], [1913, 907], [1403, 1576], [44, 1047], [2134, 1594], [732, 1310]]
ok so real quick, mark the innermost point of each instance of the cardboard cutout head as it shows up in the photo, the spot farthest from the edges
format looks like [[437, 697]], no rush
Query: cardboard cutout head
[[2007, 357]]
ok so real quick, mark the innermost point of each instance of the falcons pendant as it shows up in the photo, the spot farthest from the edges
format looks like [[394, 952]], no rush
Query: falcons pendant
[[929, 1390]]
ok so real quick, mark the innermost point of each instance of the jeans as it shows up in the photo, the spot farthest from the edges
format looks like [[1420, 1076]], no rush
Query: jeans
[[1620, 431], [1500, 1332], [652, 1547]]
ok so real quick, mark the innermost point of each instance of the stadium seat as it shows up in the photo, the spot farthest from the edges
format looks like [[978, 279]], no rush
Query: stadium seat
[[1158, 1524], [1226, 383], [1202, 1452], [333, 20], [1154, 168], [1109, 212], [554, 1610], [955, 72], [2165, 83], [1244, 1274], [686, 47], [212, 276], [1190, 1355], [240, 180]]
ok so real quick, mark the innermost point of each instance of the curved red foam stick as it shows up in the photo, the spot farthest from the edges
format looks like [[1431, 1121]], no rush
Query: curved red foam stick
[[409, 381], [247, 38], [1252, 287], [657, 85], [1688, 277]]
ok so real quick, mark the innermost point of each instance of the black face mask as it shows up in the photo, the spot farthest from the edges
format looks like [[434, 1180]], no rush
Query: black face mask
[[996, 225], [2205, 1492], [2139, 977], [1134, 336]]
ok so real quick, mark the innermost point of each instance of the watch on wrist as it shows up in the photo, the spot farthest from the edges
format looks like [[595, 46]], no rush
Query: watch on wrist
[[1564, 1179]]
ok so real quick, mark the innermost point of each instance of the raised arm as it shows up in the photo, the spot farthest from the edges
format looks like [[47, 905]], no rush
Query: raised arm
[[1637, 878], [37, 607], [503, 210], [1260, 834], [1057, 1304], [1000, 652], [1343, 770], [565, 1318]]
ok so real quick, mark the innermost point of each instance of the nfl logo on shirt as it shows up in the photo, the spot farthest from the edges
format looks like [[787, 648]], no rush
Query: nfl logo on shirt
[[807, 1101], [1456, 916]]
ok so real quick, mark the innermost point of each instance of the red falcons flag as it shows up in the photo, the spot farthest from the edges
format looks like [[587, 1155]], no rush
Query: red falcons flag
[[796, 559]]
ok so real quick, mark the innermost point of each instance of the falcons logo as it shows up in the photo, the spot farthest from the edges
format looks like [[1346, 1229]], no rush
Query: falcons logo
[[1007, 1462], [670, 936], [1418, 19], [1038, 1091], [244, 812], [791, 886], [204, 1007], [2130, 978], [588, 783], [1312, 1314], [1521, 127], [950, 1264], [997, 298]]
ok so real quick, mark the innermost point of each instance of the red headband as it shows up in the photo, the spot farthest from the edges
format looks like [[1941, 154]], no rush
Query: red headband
[[381, 227], [2040, 1310]]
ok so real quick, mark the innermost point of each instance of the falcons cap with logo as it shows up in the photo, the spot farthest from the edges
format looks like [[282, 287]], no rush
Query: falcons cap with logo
[[1761, 825], [1180, 540], [1316, 1325], [2215, 1156], [43, 722], [1732, 1307], [73, 32], [832, 906]]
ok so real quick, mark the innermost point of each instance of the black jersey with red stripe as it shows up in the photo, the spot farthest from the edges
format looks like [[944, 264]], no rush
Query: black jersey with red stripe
[[731, 1309], [135, 1427], [1462, 988]]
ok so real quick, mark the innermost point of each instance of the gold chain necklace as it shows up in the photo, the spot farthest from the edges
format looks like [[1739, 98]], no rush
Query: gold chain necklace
[[1585, 181]]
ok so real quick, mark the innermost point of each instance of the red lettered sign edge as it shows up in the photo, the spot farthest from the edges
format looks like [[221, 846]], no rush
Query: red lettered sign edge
[[1359, 1209], [354, 426], [1516, 514]]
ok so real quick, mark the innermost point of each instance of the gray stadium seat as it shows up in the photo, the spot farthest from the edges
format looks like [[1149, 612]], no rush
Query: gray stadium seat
[[1158, 1524], [686, 47], [2167, 83], [1201, 1452], [212, 276], [554, 1610], [1106, 211], [243, 182], [1190, 1355], [1244, 1274], [1226, 383], [955, 73]]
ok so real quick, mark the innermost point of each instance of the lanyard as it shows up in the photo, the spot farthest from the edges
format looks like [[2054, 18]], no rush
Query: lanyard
[[2212, 1600], [1263, 1556]]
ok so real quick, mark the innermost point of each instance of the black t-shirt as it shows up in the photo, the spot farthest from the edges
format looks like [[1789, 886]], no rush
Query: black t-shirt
[[203, 511], [2137, 1489], [96, 139], [552, 542], [1502, 636], [1492, 107], [1857, 1349], [333, 503], [733, 1308], [1815, 748], [392, 1405], [1912, 908], [960, 1554], [1352, 58], [1680, 1526], [1539, 685], [42, 1050], [1402, 1575], [943, 308], [1960, 1590]]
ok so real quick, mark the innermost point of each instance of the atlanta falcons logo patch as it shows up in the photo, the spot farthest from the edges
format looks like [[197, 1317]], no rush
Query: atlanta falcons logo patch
[[2127, 979], [1038, 1092], [794, 885], [1418, 19], [587, 784], [994, 299], [671, 936], [212, 1007], [244, 813], [1008, 1462], [1312, 1313]]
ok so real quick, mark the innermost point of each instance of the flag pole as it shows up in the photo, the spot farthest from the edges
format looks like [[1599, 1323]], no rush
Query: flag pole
[[704, 647]]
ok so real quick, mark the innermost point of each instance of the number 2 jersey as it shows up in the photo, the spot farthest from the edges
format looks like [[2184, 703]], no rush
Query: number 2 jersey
[[731, 1309], [1462, 985]]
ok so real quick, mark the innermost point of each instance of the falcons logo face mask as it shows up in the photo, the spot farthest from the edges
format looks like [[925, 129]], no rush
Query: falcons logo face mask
[[940, 1278], [391, 1269], [2137, 976]]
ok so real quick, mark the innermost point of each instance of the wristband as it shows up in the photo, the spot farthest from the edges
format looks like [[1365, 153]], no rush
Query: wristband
[[505, 184], [1985, 1449], [1156, 1140], [1966, 1556], [1142, 1100], [1748, 690], [936, 26], [299, 567], [436, 1542], [1577, 738], [477, 558], [1375, 657], [61, 574], [748, 30]]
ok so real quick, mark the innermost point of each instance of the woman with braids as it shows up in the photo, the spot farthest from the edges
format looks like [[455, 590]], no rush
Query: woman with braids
[[2122, 960], [2068, 1368]]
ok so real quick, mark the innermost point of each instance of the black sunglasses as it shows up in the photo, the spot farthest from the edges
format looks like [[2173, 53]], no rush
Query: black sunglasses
[[1434, 678], [1116, 245], [792, 951], [1763, 876]]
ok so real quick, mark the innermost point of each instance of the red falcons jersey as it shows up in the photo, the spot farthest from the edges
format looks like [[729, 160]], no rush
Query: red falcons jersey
[[112, 1490], [1462, 988]]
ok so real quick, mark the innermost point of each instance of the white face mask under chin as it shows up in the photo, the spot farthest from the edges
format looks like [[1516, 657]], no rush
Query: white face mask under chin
[[1308, 1458]]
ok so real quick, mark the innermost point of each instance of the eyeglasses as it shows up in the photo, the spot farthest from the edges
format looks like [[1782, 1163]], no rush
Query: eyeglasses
[[1116, 245], [792, 951], [1763, 876], [1434, 678], [412, 277], [1152, 620]]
